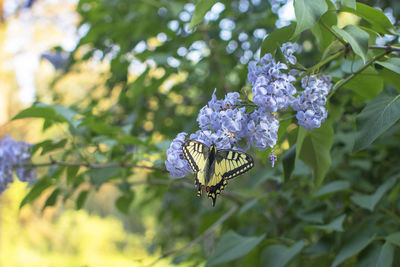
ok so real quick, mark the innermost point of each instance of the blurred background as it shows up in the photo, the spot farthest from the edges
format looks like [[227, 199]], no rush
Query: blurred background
[[139, 76], [36, 39]]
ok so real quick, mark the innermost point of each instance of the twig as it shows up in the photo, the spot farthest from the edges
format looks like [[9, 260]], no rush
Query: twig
[[96, 165], [322, 63], [365, 66], [337, 36], [385, 47], [200, 237]]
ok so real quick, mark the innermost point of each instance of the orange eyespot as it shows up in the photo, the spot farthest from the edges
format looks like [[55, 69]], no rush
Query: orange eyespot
[[208, 189]]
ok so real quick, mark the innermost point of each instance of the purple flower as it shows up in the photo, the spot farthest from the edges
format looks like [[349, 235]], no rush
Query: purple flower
[[15, 155], [288, 49], [273, 87], [310, 103], [262, 129], [222, 122], [272, 158], [176, 163]]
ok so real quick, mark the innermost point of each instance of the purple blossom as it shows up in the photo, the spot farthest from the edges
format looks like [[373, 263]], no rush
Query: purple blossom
[[288, 49], [262, 129], [15, 155], [176, 163], [222, 122], [272, 158], [273, 87], [310, 103]]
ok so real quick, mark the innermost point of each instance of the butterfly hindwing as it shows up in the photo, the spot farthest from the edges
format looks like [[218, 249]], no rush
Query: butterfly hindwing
[[228, 164]]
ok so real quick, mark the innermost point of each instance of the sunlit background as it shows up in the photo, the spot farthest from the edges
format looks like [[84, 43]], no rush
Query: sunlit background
[[35, 40]]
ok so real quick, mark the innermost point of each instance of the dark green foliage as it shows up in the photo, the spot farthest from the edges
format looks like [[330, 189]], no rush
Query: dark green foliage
[[333, 197]]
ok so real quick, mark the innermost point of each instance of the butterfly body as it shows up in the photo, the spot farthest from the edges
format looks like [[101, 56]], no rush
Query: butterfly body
[[214, 167]]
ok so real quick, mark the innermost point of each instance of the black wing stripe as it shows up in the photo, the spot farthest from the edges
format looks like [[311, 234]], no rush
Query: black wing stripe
[[246, 163], [189, 158]]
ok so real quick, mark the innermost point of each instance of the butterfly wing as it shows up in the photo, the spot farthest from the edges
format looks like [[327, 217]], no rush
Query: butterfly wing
[[196, 153], [228, 164]]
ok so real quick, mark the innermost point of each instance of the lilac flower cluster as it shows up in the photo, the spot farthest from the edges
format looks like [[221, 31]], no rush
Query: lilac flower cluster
[[14, 155], [228, 123], [176, 164], [310, 103], [273, 88]]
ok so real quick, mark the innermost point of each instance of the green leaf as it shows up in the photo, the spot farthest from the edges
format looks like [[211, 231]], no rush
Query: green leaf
[[301, 135], [378, 116], [392, 64], [289, 162], [51, 200], [357, 38], [47, 112], [349, 3], [335, 225], [314, 216], [71, 173], [315, 151], [81, 199], [280, 255], [201, 9], [38, 112], [352, 247], [233, 246], [308, 13], [367, 84], [99, 176], [385, 258], [394, 238], [369, 201], [324, 37], [375, 17], [332, 187], [123, 203], [248, 206], [36, 190], [275, 39], [48, 146], [391, 78]]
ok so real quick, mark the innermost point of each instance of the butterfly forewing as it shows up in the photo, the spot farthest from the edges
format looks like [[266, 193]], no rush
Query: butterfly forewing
[[196, 154], [233, 163]]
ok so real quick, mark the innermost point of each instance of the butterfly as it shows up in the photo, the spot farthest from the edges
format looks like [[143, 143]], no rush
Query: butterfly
[[213, 167]]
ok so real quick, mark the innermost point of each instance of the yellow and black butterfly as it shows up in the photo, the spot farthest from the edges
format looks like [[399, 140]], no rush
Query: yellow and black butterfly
[[214, 167]]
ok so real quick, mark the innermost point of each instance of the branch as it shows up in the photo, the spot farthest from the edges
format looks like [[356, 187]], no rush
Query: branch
[[97, 165], [322, 63], [200, 237], [337, 36], [385, 47], [365, 66]]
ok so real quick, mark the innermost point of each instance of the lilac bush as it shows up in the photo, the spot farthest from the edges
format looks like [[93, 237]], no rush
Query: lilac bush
[[310, 103], [230, 123]]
